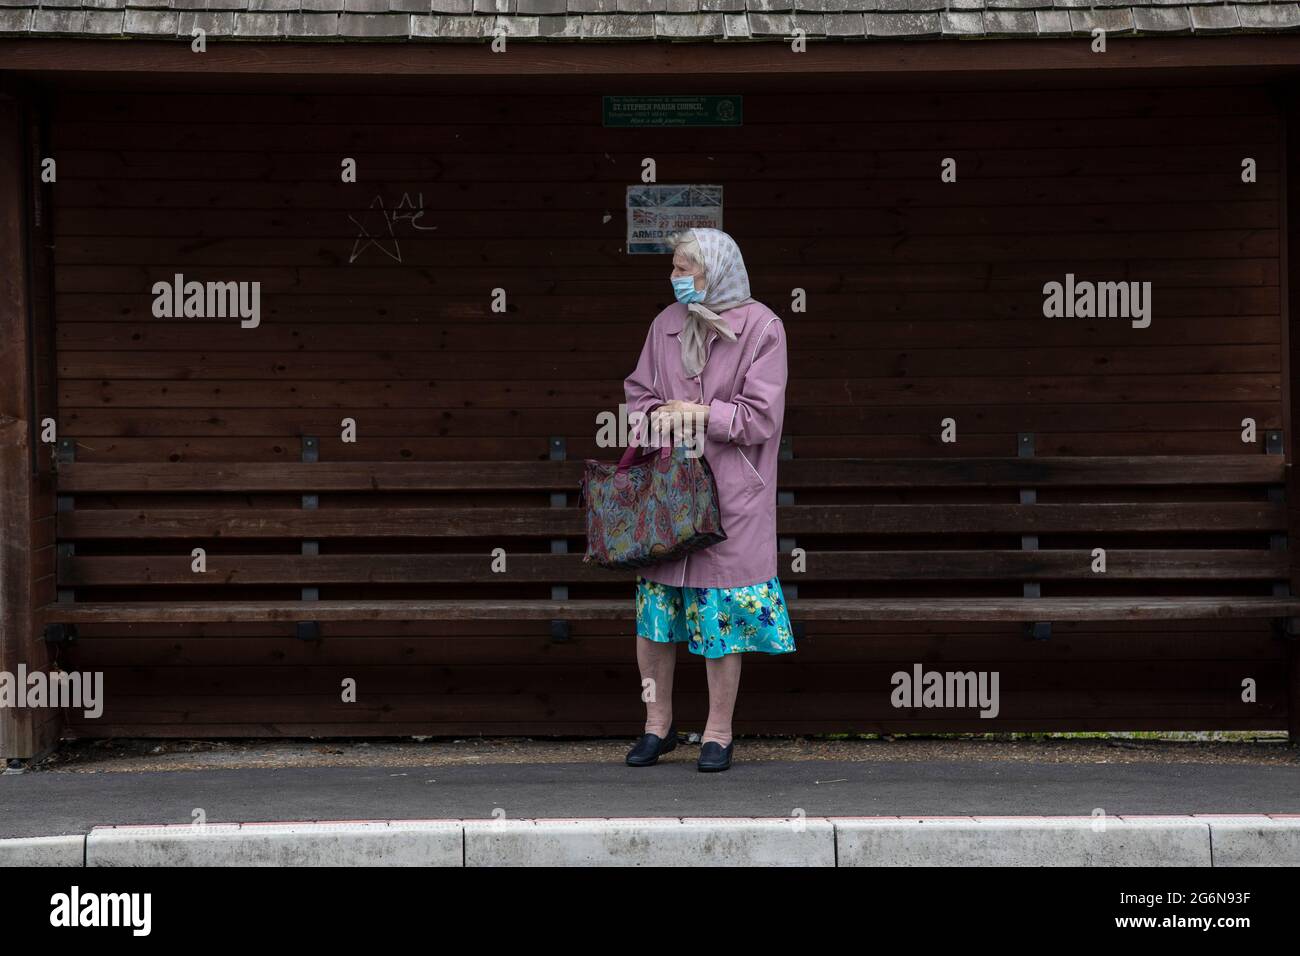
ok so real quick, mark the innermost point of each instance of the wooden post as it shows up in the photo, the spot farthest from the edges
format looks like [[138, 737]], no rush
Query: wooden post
[[1289, 198], [26, 499]]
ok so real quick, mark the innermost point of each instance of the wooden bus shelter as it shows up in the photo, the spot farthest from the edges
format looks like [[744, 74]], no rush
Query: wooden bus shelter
[[135, 441]]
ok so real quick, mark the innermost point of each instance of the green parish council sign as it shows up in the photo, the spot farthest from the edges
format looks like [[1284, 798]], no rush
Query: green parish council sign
[[664, 110]]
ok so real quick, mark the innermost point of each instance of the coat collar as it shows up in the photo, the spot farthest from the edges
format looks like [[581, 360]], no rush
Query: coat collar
[[676, 319]]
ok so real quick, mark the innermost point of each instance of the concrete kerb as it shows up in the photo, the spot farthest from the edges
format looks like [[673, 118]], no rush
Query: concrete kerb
[[1155, 840], [44, 851], [326, 843], [1034, 841], [718, 841], [1250, 840]]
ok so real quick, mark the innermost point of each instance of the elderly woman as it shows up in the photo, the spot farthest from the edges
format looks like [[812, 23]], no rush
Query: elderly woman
[[713, 366]]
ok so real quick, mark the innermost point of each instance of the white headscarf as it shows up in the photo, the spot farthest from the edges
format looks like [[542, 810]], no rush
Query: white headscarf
[[726, 286]]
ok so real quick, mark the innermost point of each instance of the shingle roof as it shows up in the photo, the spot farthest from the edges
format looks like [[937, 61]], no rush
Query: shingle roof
[[663, 20]]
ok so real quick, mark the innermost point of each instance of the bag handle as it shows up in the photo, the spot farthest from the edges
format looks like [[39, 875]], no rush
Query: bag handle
[[633, 452]]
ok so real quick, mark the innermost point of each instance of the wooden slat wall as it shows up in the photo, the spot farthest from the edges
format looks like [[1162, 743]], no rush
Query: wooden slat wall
[[924, 302]]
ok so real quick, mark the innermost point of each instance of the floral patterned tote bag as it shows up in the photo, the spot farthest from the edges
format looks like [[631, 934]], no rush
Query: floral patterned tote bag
[[654, 505]]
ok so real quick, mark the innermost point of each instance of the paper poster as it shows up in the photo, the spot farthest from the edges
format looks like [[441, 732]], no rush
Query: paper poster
[[654, 212]]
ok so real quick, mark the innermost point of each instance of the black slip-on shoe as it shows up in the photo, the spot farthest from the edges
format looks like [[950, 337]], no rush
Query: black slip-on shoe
[[714, 757], [650, 747]]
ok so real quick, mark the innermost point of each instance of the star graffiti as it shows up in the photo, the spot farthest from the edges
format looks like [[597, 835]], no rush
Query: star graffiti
[[382, 237]]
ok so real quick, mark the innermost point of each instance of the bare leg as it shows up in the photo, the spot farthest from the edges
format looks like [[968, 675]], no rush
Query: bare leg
[[724, 684], [657, 661]]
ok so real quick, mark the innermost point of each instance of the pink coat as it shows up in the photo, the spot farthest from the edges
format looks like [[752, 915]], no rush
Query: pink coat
[[743, 383]]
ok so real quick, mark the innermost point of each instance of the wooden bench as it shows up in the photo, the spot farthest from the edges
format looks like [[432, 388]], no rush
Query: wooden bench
[[951, 539]]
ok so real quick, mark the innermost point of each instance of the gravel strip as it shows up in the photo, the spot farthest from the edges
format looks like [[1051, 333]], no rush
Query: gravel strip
[[110, 756]]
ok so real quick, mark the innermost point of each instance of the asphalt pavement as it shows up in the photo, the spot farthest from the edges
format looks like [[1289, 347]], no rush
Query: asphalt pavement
[[71, 801]]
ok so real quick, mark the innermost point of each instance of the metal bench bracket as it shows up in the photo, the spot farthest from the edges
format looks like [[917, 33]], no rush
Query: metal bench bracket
[[65, 453], [1036, 630], [1282, 627], [60, 633], [559, 499], [310, 630]]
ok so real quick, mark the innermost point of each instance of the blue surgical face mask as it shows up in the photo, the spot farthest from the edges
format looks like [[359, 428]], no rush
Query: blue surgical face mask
[[684, 289]]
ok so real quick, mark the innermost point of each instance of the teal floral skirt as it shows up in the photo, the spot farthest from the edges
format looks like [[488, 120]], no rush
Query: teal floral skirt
[[715, 621]]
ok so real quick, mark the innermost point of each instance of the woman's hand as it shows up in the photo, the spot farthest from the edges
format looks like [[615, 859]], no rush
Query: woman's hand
[[684, 420]]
